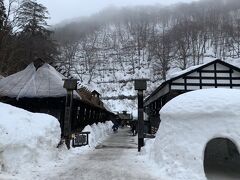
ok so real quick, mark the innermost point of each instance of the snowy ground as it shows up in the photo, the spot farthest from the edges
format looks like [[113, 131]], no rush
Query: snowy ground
[[28, 144], [28, 150], [116, 158]]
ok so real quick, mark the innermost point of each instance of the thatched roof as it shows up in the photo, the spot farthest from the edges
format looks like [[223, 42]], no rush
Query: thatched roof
[[34, 82], [89, 98]]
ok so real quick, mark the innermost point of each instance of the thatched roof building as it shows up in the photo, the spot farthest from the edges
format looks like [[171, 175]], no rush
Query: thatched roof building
[[34, 82], [39, 88]]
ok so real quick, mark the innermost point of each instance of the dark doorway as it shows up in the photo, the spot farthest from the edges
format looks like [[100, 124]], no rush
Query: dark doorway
[[221, 160]]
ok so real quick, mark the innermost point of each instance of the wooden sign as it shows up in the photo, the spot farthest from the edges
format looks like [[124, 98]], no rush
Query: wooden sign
[[80, 139]]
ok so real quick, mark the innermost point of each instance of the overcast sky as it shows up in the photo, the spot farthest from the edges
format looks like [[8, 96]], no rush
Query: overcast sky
[[60, 10]]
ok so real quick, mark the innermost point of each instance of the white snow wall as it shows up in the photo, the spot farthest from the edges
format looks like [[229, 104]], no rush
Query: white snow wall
[[189, 122], [26, 139]]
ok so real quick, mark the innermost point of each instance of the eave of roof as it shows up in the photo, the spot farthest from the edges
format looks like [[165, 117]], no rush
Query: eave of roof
[[189, 72]]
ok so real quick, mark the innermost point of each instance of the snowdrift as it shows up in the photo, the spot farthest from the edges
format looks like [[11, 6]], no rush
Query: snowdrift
[[189, 122], [98, 132], [28, 143], [26, 139]]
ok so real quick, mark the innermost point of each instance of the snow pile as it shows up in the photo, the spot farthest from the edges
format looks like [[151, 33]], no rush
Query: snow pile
[[189, 122], [28, 143], [26, 139], [98, 132]]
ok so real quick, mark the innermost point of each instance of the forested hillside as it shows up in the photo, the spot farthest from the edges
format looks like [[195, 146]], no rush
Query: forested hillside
[[109, 49]]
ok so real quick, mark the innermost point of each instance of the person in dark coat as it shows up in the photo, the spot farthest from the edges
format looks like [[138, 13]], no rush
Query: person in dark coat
[[115, 127], [134, 127]]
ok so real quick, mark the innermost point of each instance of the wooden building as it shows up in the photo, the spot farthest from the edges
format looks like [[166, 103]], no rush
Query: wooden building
[[39, 88], [91, 109], [215, 74], [124, 118]]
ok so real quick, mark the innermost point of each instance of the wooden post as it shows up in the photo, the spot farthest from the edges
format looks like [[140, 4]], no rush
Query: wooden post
[[140, 85], [69, 85], [67, 119], [140, 120]]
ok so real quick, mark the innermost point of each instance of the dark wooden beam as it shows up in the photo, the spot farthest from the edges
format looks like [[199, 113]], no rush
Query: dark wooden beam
[[185, 84], [204, 84], [211, 78], [230, 79], [200, 79], [215, 75], [213, 71]]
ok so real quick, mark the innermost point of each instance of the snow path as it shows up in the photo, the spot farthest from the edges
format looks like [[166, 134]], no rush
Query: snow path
[[116, 159]]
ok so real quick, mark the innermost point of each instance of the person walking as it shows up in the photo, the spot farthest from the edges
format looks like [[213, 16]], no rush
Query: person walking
[[134, 127]]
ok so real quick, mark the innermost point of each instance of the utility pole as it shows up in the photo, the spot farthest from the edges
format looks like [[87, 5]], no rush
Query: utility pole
[[69, 85], [140, 86]]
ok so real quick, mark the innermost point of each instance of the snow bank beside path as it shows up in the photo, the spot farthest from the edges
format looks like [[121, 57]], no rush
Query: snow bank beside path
[[28, 143], [26, 139], [98, 133], [189, 122]]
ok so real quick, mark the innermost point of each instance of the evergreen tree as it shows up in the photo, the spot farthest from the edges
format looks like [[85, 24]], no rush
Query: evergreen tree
[[34, 37], [32, 17], [5, 39], [2, 15]]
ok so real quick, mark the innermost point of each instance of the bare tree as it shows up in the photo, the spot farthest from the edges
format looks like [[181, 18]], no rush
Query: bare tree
[[160, 47], [182, 43]]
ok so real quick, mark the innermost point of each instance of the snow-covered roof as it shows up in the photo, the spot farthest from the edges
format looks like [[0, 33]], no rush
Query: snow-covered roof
[[233, 62], [33, 82], [177, 75]]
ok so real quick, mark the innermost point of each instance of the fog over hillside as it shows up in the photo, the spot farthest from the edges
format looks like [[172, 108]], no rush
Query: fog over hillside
[[73, 8], [108, 50]]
